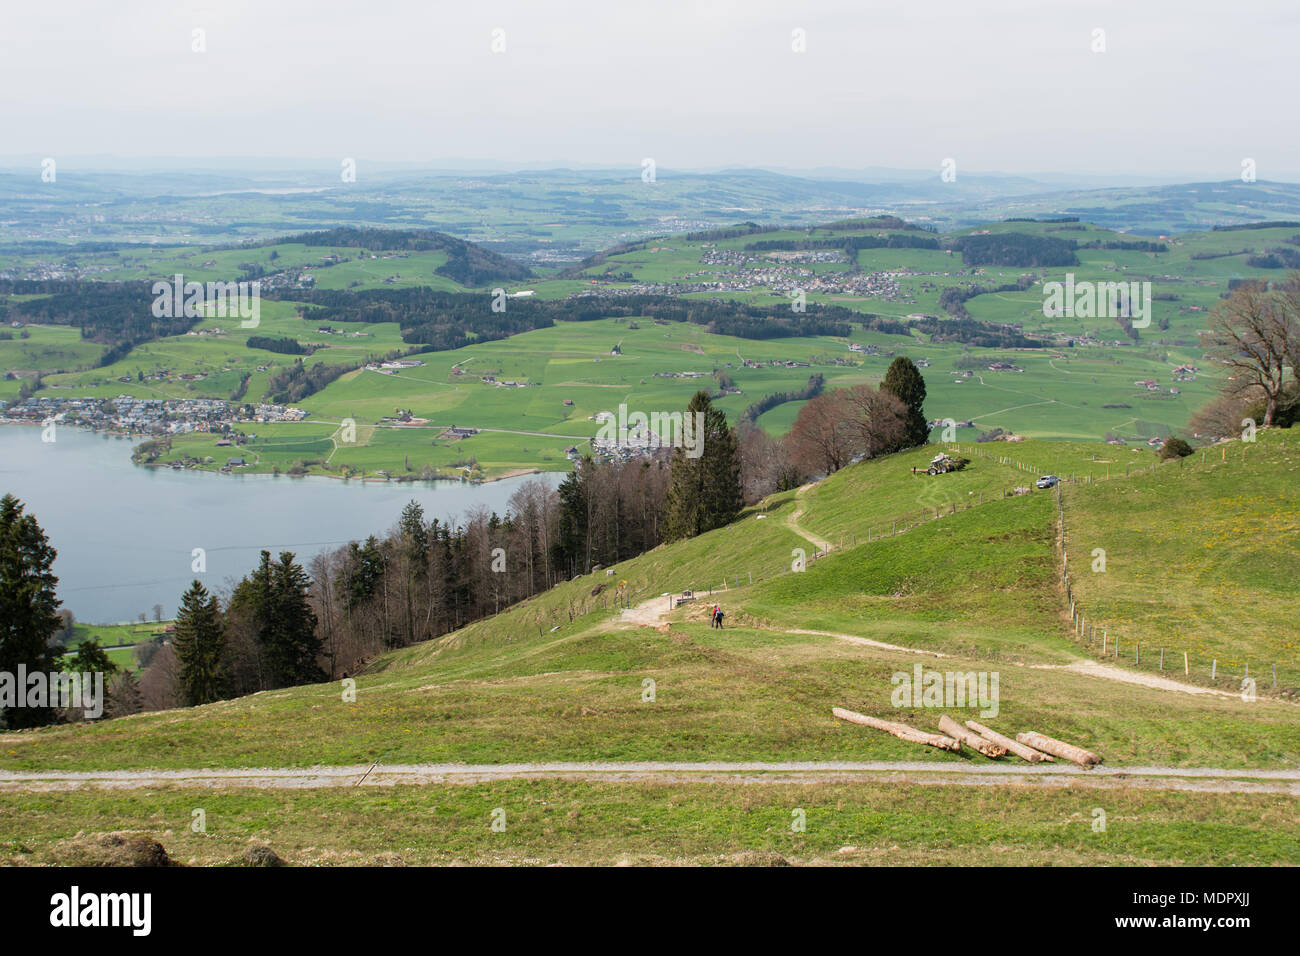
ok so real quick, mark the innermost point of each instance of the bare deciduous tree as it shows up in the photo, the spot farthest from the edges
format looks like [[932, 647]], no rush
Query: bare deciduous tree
[[822, 434], [1255, 333], [878, 417]]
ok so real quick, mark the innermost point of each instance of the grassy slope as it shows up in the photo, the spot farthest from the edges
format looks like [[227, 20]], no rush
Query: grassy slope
[[555, 678], [1200, 556], [980, 583]]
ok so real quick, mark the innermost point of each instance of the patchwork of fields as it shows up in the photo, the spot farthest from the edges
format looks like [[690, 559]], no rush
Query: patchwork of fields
[[1091, 383]]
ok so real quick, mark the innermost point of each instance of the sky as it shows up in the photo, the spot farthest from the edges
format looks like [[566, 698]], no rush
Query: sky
[[1184, 88]]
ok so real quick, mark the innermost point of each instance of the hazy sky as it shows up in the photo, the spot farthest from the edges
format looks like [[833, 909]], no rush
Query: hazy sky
[[1183, 87]]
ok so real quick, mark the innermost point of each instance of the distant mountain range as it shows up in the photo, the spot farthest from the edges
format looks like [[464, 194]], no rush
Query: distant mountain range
[[552, 216]]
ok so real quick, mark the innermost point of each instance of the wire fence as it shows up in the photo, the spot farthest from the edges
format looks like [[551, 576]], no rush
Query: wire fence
[[1110, 641], [1105, 640]]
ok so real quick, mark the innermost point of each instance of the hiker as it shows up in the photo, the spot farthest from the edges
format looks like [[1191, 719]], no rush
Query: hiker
[[719, 618], [713, 618]]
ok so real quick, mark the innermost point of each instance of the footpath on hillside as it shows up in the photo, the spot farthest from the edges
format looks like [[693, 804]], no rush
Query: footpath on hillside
[[792, 522]]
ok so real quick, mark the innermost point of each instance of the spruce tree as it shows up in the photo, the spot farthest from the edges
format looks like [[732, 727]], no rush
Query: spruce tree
[[90, 658], [571, 546], [199, 644], [290, 640], [905, 381], [704, 492], [28, 603]]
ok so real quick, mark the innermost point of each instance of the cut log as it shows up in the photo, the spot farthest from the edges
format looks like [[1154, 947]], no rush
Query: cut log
[[1019, 749], [901, 731], [972, 740], [1084, 758]]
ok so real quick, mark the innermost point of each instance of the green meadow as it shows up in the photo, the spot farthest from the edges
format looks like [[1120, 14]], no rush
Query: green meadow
[[1090, 385]]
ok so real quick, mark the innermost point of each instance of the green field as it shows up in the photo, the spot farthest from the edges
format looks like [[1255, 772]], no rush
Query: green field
[[1088, 386], [685, 824]]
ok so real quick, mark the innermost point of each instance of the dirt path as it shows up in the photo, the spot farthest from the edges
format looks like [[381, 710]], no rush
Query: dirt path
[[654, 613], [1111, 672], [792, 522], [649, 613], [1205, 779], [866, 642]]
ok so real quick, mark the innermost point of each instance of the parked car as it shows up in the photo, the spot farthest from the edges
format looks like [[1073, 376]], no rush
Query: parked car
[[1047, 481]]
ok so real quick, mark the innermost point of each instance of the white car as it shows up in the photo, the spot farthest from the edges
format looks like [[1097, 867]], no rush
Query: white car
[[1047, 481]]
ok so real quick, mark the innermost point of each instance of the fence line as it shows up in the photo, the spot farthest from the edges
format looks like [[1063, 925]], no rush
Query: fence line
[[1092, 633]]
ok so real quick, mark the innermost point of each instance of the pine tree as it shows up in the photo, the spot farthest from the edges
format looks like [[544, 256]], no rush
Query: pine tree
[[288, 634], [704, 492], [90, 658], [199, 644], [571, 548], [28, 603], [905, 381], [414, 533]]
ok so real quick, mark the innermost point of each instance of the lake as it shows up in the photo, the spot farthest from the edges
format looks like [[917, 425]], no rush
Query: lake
[[126, 534]]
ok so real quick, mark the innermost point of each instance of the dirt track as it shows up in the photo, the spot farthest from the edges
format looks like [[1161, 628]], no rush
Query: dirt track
[[1204, 779], [792, 522]]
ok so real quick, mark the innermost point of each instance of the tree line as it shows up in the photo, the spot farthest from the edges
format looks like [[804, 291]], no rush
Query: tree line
[[448, 320], [285, 623], [1015, 249], [116, 314]]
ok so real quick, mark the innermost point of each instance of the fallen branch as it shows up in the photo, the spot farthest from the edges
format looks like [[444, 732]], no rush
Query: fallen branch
[[901, 731], [1020, 750], [1084, 758], [974, 741]]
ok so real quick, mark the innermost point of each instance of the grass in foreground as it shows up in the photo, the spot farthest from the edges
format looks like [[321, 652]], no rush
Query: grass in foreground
[[594, 823]]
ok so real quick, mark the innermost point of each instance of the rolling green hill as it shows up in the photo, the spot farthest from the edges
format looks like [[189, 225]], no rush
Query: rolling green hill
[[1085, 379], [954, 566]]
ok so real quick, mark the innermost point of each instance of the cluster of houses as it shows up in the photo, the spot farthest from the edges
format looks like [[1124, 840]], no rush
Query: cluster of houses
[[147, 416], [1151, 385], [628, 446], [713, 256], [393, 367], [877, 350], [492, 380], [782, 280], [777, 363]]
